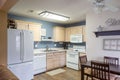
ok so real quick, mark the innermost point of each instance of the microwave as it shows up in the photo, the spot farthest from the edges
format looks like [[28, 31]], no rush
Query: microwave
[[76, 38]]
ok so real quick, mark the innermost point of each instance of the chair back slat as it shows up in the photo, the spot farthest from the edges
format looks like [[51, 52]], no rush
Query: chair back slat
[[83, 59], [111, 60], [100, 70]]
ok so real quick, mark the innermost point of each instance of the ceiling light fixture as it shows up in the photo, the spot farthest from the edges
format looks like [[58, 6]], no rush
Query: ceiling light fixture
[[54, 16], [103, 5], [99, 5]]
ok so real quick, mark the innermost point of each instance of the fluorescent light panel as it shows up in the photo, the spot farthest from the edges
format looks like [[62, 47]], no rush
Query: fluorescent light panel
[[54, 16]]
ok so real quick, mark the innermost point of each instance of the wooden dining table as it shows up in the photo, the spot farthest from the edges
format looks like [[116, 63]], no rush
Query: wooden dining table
[[115, 69]]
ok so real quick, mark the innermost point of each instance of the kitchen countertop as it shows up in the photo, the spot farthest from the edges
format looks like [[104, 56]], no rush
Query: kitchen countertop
[[53, 50], [42, 51], [39, 54]]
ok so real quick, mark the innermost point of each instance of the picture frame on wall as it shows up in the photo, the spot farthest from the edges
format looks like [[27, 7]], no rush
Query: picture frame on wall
[[119, 45], [106, 44], [111, 44]]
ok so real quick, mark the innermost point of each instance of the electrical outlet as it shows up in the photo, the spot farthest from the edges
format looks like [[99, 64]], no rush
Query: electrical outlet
[[55, 44]]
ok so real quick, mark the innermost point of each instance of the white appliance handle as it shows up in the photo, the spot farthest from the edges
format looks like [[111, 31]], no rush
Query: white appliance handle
[[20, 46], [23, 47]]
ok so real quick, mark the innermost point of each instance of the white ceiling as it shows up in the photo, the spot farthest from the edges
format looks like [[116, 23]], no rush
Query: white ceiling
[[75, 9]]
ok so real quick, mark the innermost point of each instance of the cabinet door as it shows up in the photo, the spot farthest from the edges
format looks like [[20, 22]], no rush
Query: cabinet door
[[59, 34], [62, 59], [50, 64], [50, 61], [80, 30], [22, 25], [36, 29], [14, 52], [76, 30], [84, 33], [56, 60], [27, 46], [67, 34], [73, 30]]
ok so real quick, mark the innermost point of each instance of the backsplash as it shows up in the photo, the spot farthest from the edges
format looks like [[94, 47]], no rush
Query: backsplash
[[76, 44], [50, 44]]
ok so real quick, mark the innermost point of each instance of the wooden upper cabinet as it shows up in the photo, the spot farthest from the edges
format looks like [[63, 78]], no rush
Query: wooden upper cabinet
[[72, 31], [67, 34], [84, 33], [22, 25], [76, 30], [59, 34], [36, 29]]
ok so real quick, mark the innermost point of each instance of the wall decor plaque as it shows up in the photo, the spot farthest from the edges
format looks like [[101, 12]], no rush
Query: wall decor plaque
[[112, 22], [111, 44]]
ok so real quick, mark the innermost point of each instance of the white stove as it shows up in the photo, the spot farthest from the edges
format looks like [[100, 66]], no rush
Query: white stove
[[79, 48], [73, 57]]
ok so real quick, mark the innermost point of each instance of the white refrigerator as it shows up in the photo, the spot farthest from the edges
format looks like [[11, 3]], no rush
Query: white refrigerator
[[20, 53]]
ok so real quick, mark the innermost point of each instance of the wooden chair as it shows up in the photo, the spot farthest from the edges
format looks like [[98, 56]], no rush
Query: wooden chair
[[83, 60], [117, 78], [111, 60], [100, 71]]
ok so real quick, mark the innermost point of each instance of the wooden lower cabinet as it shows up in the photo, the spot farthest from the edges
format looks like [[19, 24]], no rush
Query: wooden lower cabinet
[[56, 60], [50, 64], [50, 60], [62, 59]]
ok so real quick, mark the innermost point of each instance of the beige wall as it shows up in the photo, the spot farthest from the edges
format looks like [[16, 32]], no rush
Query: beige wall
[[5, 6], [2, 2], [94, 46], [3, 37]]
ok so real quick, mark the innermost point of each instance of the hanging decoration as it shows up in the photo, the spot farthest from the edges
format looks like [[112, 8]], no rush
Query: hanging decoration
[[112, 22]]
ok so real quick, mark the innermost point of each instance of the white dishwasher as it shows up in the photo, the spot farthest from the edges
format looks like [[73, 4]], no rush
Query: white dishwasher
[[39, 63]]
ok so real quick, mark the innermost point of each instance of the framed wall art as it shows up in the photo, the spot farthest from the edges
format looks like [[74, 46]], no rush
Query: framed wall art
[[111, 44]]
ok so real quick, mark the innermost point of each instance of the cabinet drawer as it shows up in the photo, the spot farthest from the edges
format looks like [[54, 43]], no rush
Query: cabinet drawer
[[56, 54], [50, 55]]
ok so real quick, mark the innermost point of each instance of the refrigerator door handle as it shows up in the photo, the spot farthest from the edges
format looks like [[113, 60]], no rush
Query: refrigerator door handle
[[20, 46], [23, 48]]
